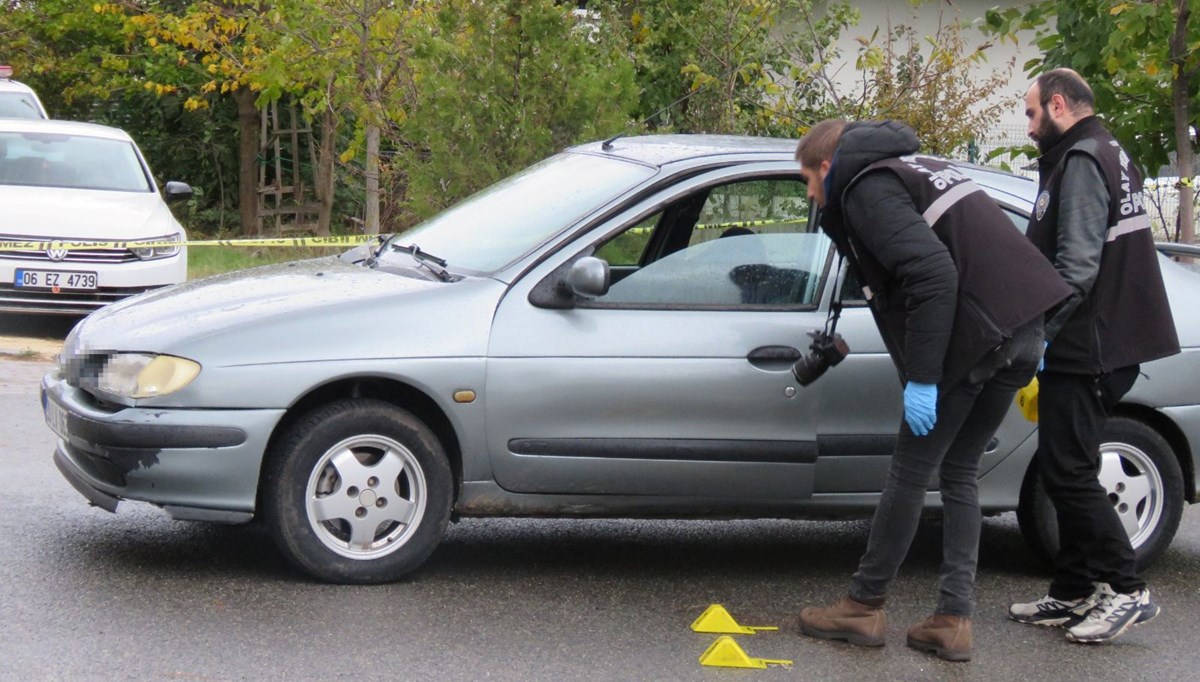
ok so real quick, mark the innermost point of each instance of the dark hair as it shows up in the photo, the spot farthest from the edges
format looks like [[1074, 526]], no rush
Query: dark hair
[[1070, 85], [736, 231], [819, 143]]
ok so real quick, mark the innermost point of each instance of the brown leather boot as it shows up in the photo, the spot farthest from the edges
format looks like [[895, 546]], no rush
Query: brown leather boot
[[858, 623], [947, 636]]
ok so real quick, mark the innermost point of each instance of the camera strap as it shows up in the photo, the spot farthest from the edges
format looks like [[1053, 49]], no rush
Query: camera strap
[[835, 304]]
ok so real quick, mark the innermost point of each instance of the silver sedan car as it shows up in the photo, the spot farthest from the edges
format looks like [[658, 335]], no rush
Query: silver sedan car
[[607, 333]]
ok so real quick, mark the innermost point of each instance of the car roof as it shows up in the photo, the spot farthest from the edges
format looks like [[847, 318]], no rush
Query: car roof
[[16, 125], [8, 85], [658, 150], [1015, 186]]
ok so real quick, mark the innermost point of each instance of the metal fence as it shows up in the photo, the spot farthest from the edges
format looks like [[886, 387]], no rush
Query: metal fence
[[1161, 195]]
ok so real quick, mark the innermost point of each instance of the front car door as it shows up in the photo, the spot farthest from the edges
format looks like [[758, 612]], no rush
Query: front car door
[[677, 382]]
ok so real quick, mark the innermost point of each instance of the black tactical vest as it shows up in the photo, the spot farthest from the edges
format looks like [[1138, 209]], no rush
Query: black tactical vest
[[1125, 319], [1003, 282]]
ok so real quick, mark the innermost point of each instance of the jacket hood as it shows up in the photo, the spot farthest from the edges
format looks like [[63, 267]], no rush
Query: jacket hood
[[861, 145]]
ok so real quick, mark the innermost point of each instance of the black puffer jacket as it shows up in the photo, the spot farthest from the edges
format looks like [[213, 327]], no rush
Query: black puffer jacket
[[941, 261]]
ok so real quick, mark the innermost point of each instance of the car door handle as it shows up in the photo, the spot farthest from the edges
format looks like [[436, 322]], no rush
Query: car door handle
[[773, 358]]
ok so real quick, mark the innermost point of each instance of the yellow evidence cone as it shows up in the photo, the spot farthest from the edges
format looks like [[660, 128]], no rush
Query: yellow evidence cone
[[725, 653], [1027, 400], [717, 620]]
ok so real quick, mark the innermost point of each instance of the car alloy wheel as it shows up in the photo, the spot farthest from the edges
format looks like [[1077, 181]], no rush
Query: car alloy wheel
[[366, 496], [1141, 475], [357, 491], [1135, 488]]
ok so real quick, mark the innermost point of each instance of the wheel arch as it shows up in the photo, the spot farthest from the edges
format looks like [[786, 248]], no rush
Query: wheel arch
[[1170, 433], [402, 395]]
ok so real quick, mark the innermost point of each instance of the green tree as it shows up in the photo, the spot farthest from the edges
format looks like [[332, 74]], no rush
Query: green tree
[[497, 86], [1141, 58], [81, 59], [702, 65]]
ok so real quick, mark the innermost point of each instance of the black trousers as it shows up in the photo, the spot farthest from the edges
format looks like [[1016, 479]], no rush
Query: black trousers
[[1093, 545]]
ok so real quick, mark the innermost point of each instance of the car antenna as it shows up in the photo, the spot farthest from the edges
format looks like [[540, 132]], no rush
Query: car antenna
[[607, 144]]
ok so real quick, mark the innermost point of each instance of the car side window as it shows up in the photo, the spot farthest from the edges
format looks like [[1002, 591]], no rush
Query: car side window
[[851, 293], [1020, 220], [627, 248], [746, 246]]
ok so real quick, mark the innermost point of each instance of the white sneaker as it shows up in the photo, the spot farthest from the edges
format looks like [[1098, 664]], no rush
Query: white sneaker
[[1053, 612], [1112, 615]]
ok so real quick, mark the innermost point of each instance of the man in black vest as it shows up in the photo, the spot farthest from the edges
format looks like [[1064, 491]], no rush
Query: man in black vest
[[1089, 221], [938, 260]]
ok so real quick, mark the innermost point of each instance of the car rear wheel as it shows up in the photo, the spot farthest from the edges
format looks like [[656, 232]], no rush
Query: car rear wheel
[[357, 491], [1144, 483]]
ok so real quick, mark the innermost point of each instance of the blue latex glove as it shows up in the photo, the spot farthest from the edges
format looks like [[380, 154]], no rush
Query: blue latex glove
[[1042, 362], [920, 407]]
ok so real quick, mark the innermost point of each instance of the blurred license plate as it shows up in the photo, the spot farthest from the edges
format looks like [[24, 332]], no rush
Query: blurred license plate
[[55, 280], [56, 418]]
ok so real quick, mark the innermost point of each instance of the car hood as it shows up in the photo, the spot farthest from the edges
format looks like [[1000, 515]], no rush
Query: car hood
[[320, 309], [83, 214]]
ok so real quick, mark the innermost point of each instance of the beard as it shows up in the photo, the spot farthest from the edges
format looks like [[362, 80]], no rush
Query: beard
[[1047, 136]]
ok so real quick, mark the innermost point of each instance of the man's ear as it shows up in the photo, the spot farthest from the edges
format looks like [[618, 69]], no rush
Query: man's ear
[[825, 166], [1058, 105]]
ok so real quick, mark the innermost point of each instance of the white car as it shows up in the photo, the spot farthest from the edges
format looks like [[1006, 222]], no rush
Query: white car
[[18, 100], [81, 182]]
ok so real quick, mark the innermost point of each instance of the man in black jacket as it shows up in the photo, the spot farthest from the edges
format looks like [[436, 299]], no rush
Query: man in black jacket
[[939, 261], [1089, 221]]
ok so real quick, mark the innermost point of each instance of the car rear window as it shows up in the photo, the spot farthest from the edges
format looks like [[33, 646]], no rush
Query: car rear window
[[73, 161]]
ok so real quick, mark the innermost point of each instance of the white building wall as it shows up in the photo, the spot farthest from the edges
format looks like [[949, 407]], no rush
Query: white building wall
[[924, 18]]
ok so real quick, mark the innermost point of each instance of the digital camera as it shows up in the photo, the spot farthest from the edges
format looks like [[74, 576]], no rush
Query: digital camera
[[826, 351]]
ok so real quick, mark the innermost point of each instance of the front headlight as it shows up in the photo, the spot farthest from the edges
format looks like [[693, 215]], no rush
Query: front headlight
[[142, 375], [155, 252]]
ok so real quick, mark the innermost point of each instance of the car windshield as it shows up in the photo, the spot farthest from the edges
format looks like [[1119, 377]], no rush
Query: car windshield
[[75, 161], [505, 221], [18, 105]]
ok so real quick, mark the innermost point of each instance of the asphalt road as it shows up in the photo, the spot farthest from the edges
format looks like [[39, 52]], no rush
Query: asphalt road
[[87, 595]]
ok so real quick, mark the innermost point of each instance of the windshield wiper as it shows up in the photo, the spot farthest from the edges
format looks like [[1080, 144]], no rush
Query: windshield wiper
[[372, 259], [425, 258]]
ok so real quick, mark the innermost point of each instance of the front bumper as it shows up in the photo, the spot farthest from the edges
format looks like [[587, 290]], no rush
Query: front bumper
[[115, 280], [196, 464]]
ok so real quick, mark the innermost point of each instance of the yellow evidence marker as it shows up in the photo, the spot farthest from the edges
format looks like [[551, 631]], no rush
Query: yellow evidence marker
[[725, 653], [717, 620]]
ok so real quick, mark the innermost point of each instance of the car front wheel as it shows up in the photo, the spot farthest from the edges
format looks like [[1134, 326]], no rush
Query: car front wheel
[[1144, 483], [357, 491]]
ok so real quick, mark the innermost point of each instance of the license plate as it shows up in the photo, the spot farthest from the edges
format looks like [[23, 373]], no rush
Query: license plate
[[56, 418], [55, 280]]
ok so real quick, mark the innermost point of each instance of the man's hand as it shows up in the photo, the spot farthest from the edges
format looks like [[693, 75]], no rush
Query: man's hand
[[920, 407]]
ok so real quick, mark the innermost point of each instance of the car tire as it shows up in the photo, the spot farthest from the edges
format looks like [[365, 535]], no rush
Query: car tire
[[1131, 451], [357, 492]]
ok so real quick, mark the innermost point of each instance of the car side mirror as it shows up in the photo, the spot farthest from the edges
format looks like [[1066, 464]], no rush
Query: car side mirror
[[177, 191], [588, 277]]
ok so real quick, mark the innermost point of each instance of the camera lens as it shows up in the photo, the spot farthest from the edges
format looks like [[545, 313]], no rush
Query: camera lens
[[809, 368]]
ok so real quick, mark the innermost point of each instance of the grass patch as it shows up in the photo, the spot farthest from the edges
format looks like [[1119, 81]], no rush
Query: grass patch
[[205, 261]]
